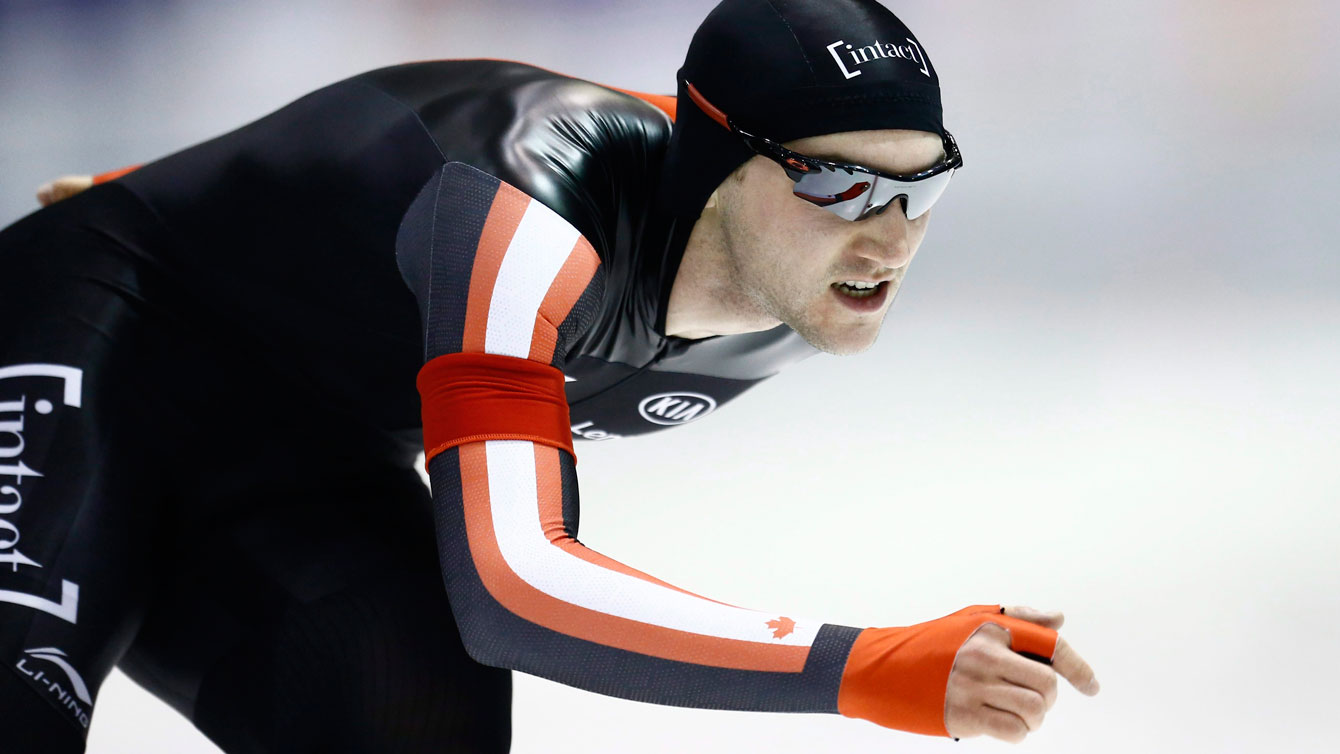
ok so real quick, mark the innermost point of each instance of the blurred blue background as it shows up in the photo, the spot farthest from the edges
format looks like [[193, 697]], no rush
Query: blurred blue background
[[1108, 385]]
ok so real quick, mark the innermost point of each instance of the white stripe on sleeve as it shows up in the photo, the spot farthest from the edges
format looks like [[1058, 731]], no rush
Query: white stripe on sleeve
[[537, 252], [515, 505]]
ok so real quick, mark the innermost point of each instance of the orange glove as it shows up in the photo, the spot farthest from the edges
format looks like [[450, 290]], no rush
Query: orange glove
[[897, 677]]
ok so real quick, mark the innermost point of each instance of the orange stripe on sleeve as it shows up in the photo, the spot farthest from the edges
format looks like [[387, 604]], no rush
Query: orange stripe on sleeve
[[548, 481], [563, 293], [509, 204], [529, 603]]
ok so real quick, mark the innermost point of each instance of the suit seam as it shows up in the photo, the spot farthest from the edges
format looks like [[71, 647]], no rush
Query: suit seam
[[412, 111], [432, 235], [792, 32]]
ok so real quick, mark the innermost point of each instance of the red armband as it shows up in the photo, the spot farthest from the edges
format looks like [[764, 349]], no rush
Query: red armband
[[472, 397], [898, 677]]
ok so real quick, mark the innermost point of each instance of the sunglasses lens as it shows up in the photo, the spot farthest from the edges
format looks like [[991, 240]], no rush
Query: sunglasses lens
[[916, 196], [923, 194], [856, 195], [860, 194], [837, 191]]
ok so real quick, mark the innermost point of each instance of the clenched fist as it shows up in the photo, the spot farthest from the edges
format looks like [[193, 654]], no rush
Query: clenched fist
[[995, 691], [982, 669]]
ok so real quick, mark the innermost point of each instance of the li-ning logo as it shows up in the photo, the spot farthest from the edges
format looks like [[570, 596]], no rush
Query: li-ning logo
[[67, 698], [877, 51], [675, 408], [13, 466]]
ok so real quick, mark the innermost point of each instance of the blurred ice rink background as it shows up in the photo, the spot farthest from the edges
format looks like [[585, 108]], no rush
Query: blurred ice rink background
[[1108, 386]]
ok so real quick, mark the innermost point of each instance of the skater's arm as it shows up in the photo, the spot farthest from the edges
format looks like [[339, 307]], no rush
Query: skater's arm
[[504, 284]]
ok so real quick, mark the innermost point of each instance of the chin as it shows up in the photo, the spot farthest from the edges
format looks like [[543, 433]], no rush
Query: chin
[[839, 342], [838, 334]]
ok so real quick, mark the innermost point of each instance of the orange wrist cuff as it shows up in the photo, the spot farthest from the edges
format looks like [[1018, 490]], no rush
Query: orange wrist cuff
[[898, 677], [472, 397]]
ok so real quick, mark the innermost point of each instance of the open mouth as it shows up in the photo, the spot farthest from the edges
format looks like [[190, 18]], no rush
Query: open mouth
[[861, 296]]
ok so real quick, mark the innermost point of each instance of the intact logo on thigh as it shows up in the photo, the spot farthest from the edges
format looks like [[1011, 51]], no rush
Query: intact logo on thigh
[[15, 411], [675, 408], [47, 668]]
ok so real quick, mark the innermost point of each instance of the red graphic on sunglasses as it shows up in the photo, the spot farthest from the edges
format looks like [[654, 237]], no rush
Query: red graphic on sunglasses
[[823, 201]]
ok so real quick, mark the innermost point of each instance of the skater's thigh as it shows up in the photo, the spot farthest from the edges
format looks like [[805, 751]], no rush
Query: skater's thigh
[[310, 615], [91, 422]]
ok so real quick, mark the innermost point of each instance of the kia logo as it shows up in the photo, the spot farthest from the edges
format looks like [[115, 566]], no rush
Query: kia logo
[[675, 408]]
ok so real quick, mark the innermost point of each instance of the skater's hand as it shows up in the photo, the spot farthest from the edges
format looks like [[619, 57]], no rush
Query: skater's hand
[[1001, 693], [62, 188], [900, 676]]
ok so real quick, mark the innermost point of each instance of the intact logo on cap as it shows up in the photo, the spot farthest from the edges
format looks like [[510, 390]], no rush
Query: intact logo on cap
[[859, 56], [675, 408]]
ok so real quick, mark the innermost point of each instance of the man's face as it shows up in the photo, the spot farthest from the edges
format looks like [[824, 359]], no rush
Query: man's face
[[787, 256]]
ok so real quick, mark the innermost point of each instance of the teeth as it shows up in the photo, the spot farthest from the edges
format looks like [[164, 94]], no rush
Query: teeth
[[857, 289]]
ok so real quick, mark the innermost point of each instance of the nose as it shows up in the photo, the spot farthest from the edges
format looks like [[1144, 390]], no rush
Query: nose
[[884, 238]]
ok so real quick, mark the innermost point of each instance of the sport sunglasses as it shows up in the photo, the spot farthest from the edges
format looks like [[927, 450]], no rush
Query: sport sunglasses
[[851, 192]]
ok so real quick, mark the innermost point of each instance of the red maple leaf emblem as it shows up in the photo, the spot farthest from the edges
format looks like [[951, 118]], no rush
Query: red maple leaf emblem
[[782, 626]]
